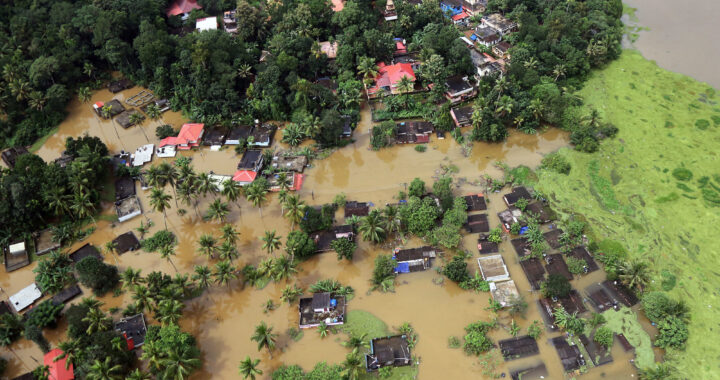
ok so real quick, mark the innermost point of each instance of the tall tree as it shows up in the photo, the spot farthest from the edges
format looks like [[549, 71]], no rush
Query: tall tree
[[249, 368], [160, 202], [271, 241], [264, 337]]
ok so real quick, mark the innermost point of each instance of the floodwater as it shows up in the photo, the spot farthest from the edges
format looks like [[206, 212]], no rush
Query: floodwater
[[682, 36], [223, 319]]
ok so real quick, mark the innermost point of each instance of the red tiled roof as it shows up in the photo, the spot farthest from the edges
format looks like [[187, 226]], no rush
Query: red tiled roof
[[244, 176], [400, 47], [189, 135], [389, 75], [57, 368], [460, 16], [179, 7]]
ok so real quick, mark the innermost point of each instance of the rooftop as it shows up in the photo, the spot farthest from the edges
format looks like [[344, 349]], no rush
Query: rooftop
[[124, 187], [556, 265], [10, 155], [458, 84], [388, 351], [44, 242], [332, 315], [133, 329], [128, 208], [356, 208], [519, 347], [244, 176], [569, 354], [124, 118], [16, 256], [206, 23], [477, 223], [251, 159], [516, 194], [504, 292], [238, 133], [126, 242], [179, 7], [119, 85], [115, 108], [289, 163], [26, 297], [492, 268], [462, 115], [534, 272], [330, 49], [66, 295], [214, 136], [57, 367], [85, 251]]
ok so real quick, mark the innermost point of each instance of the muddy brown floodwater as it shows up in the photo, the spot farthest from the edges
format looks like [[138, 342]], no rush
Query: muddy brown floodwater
[[222, 319]]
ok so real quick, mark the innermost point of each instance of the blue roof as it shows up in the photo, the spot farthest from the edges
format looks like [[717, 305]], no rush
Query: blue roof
[[402, 268], [453, 10]]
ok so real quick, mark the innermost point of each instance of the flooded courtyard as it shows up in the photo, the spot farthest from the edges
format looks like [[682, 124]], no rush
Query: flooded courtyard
[[223, 318]]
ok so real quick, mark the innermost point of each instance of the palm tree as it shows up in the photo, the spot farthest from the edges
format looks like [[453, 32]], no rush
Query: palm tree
[[559, 71], [217, 210], [405, 85], [187, 192], [167, 252], [282, 180], [20, 88], [153, 111], [368, 70], [82, 206], [352, 366], [256, 195], [84, 94], [244, 71], [290, 294], [295, 209], [110, 248], [282, 198], [170, 175], [202, 276], [229, 233], [392, 219], [89, 70], [248, 368], [58, 201], [136, 118], [224, 273], [312, 125], [271, 241], [137, 374], [160, 202], [371, 227], [131, 278], [514, 329], [37, 100], [72, 350], [143, 299], [228, 251], [231, 190], [323, 330], [357, 342], [283, 267], [292, 135], [205, 184], [178, 364], [207, 245], [169, 312], [96, 320], [504, 106], [536, 108], [264, 337], [104, 370], [634, 274]]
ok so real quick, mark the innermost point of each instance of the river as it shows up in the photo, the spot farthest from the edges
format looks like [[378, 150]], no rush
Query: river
[[223, 319]]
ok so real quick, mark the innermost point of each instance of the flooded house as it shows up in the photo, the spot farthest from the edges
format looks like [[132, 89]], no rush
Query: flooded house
[[537, 372], [462, 116], [143, 155], [44, 242], [326, 307], [124, 187], [244, 177], [289, 163], [477, 224], [573, 302], [540, 211], [509, 217], [25, 297], [459, 89], [324, 239], [534, 271], [492, 268], [120, 85], [66, 295], [391, 351], [356, 208], [133, 329], [128, 208], [252, 159], [261, 135], [189, 137], [552, 237], [516, 194], [414, 259], [413, 132], [230, 21], [518, 347], [504, 292], [161, 104], [57, 366], [555, 264], [486, 247], [214, 138], [219, 180], [475, 202], [499, 23], [569, 354], [581, 253], [125, 118], [600, 298], [16, 256], [296, 181], [10, 155], [86, 250], [126, 242], [621, 293], [486, 36], [113, 107], [596, 352], [238, 134]]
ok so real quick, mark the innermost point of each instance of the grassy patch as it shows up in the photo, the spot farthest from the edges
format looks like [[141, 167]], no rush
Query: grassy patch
[[624, 321], [677, 231], [361, 322], [39, 142]]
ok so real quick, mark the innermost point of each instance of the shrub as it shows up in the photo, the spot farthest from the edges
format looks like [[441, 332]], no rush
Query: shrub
[[658, 306], [164, 131], [515, 228], [611, 253], [454, 342], [456, 269], [53, 272], [417, 188], [300, 245], [702, 124], [98, 276], [46, 314], [420, 148], [604, 337], [34, 333], [672, 333], [557, 163], [555, 286], [162, 238], [317, 220], [535, 330], [345, 248], [11, 327], [495, 235], [476, 342], [575, 266], [383, 273], [522, 204], [682, 174]]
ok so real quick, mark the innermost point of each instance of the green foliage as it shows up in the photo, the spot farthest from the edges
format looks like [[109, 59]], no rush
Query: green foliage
[[383, 276], [34, 333], [515, 228], [702, 124], [382, 135], [456, 269], [672, 333], [682, 174], [611, 253], [535, 329], [555, 286], [557, 163], [169, 349], [331, 286], [597, 320], [345, 248], [496, 235], [164, 131], [454, 342], [658, 306], [416, 188], [98, 276], [475, 283], [161, 239], [318, 220], [45, 314], [604, 337], [419, 215], [476, 342], [442, 188], [575, 266], [11, 328], [53, 272], [420, 148], [300, 245]]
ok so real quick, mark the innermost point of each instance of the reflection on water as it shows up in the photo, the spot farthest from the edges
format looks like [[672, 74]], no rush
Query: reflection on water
[[223, 318]]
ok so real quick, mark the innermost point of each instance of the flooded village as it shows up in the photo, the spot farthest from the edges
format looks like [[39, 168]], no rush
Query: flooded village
[[222, 318]]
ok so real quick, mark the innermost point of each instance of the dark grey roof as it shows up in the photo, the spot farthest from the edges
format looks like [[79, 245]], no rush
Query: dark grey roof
[[66, 295], [457, 84], [85, 251], [214, 136], [126, 242], [321, 300], [124, 187], [11, 155], [250, 159], [240, 132]]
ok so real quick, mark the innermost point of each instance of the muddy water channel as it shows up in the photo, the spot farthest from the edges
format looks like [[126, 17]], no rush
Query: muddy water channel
[[223, 318]]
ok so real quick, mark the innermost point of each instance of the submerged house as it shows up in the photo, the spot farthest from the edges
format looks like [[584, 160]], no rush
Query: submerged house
[[10, 155], [133, 329], [262, 135], [289, 163], [124, 187], [516, 194], [459, 89], [244, 177], [462, 116], [504, 292], [492, 268], [214, 138], [189, 137], [113, 107], [26, 297], [322, 307], [414, 259], [391, 351], [356, 208], [126, 242], [236, 134], [16, 256], [324, 239], [413, 132], [128, 208], [252, 159], [44, 242], [85, 251]]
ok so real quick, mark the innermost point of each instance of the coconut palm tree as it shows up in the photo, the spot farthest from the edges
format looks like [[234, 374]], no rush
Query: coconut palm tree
[[248, 368], [136, 118], [504, 106], [84, 94], [153, 112], [131, 278], [207, 245], [202, 276], [229, 233], [72, 351], [353, 366], [228, 251], [138, 374], [355, 342], [264, 337], [37, 100], [371, 227], [282, 180], [282, 198], [91, 302], [160, 202], [20, 88], [82, 206], [312, 125], [143, 299], [634, 274], [558, 71], [217, 210], [187, 192], [110, 248], [392, 219], [96, 320], [89, 70], [290, 294], [169, 312], [224, 273], [179, 363], [58, 201], [256, 195], [294, 209], [283, 267], [244, 71], [205, 184], [167, 252], [169, 175], [271, 241], [293, 135], [405, 86], [104, 370], [323, 330], [368, 70], [231, 190]]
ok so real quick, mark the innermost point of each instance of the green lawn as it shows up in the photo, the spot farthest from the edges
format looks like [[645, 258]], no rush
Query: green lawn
[[655, 188]]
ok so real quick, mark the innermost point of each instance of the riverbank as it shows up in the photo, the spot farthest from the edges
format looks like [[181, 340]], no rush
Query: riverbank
[[666, 121]]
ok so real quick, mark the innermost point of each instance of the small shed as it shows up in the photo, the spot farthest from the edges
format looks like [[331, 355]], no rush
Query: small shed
[[516, 194], [597, 352], [504, 292], [414, 259], [569, 354], [600, 298], [86, 250], [125, 118], [133, 329], [534, 272], [519, 347], [477, 223], [128, 208], [546, 312], [66, 295], [521, 246], [485, 246], [492, 268], [44, 242], [356, 208], [126, 242], [392, 351], [114, 108], [16, 256], [26, 297]]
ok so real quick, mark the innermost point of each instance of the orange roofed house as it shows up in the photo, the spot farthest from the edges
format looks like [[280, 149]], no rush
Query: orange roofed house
[[56, 368], [389, 77], [182, 8], [189, 137]]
